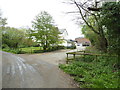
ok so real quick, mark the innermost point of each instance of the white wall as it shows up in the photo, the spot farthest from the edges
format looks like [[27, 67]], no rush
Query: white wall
[[79, 47]]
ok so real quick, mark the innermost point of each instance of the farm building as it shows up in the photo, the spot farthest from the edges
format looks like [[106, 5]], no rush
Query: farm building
[[82, 43]]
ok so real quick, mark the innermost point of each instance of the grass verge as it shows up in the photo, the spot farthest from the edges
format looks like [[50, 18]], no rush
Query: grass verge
[[94, 74]]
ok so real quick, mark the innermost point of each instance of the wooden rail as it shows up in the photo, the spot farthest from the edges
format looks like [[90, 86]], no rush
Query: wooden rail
[[84, 54]]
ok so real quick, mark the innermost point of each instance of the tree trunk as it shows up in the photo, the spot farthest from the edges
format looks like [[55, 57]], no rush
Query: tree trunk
[[119, 61], [102, 39], [44, 48], [103, 43]]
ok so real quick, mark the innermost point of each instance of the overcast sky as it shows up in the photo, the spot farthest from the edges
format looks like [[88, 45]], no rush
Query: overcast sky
[[20, 13]]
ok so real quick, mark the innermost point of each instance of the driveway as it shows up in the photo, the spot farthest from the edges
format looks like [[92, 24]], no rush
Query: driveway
[[35, 71]]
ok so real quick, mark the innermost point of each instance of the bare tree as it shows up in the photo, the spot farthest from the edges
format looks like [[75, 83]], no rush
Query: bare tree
[[87, 9]]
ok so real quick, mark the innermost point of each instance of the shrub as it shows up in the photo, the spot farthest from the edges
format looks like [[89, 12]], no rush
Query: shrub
[[38, 51], [5, 46], [36, 45], [71, 47], [53, 48], [92, 49], [16, 51], [61, 47]]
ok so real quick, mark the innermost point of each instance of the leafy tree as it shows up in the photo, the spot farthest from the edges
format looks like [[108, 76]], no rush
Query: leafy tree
[[91, 35], [27, 41], [0, 31], [111, 19], [3, 22], [44, 30], [12, 37]]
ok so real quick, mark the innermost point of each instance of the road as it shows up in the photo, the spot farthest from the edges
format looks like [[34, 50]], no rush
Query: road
[[35, 71]]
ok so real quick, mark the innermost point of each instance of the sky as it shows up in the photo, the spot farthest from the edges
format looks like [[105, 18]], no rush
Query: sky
[[20, 13]]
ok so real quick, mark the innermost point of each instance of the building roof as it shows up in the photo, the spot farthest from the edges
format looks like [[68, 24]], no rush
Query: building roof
[[82, 40]]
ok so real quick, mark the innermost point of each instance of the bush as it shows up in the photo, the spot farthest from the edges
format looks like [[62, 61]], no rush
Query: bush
[[71, 47], [16, 51], [38, 51], [31, 49], [86, 58], [61, 47], [5, 46], [36, 45], [92, 49], [53, 48]]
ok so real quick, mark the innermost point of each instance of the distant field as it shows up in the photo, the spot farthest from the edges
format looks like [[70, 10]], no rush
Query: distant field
[[30, 49]]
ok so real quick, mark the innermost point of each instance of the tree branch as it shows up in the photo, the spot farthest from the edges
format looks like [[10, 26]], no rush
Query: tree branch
[[89, 12], [94, 9], [84, 18]]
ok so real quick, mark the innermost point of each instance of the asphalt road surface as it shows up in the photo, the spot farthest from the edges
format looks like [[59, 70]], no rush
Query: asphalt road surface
[[35, 71]]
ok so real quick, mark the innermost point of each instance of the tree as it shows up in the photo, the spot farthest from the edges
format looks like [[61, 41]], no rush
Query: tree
[[3, 22], [91, 35], [111, 19], [86, 9], [110, 13], [44, 30], [12, 37], [0, 30]]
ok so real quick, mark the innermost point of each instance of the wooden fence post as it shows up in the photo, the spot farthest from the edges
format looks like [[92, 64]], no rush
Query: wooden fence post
[[31, 50], [74, 56]]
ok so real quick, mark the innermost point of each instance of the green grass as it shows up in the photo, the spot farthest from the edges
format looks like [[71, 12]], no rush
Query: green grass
[[15, 51], [94, 74], [22, 50], [30, 49]]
